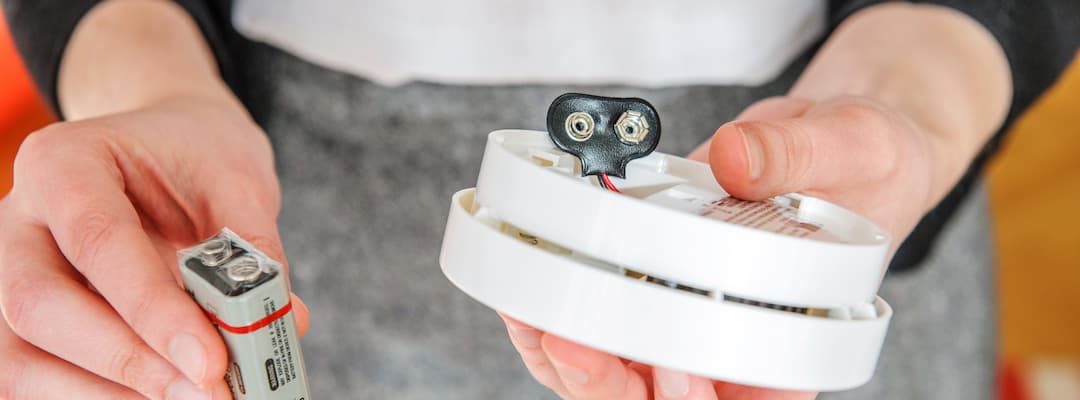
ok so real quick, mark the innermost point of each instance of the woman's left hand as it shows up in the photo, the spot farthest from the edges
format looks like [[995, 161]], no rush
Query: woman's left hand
[[848, 150], [883, 121]]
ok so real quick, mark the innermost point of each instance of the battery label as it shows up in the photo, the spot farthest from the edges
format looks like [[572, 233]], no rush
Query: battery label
[[280, 367], [765, 215]]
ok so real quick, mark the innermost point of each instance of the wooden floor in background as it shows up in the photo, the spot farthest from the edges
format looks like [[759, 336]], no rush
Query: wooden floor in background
[[1035, 198]]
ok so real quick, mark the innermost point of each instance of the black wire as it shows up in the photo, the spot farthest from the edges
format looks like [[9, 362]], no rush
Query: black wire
[[602, 184]]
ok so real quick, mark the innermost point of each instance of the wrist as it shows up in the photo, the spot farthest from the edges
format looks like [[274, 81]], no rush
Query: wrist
[[128, 54]]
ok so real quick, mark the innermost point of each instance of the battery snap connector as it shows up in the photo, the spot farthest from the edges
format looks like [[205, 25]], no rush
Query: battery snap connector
[[606, 133]]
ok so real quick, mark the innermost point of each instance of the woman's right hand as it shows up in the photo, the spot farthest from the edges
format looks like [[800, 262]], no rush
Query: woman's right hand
[[89, 284]]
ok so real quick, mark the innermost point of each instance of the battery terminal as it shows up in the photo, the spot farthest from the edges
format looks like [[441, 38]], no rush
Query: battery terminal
[[246, 268], [215, 252]]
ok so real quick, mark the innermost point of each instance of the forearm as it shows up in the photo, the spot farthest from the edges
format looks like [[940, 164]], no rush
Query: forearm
[[126, 54], [936, 66]]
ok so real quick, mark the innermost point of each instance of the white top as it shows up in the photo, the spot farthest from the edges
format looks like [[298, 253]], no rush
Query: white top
[[637, 42]]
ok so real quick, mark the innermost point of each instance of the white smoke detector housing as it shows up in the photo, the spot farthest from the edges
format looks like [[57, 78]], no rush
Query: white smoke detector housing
[[673, 272]]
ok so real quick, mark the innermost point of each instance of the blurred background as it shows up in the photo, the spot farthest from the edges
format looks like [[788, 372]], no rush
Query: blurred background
[[1034, 185]]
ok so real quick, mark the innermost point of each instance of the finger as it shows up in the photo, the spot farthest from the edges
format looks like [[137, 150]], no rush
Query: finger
[[733, 391], [772, 108], [167, 252], [247, 207], [303, 317], [80, 196], [837, 144], [30, 373], [781, 107], [45, 306], [526, 341], [590, 374], [676, 385], [645, 371]]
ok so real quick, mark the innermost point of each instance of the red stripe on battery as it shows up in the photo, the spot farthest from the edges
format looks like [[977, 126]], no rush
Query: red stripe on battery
[[254, 326]]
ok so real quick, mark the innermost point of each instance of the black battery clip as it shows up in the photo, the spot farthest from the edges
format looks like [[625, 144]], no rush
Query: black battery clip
[[606, 133]]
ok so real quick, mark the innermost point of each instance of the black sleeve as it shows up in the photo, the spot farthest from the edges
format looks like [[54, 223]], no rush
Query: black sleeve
[[42, 28], [1039, 37]]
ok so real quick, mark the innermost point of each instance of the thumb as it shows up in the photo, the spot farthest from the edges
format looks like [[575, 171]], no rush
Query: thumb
[[832, 146], [765, 109]]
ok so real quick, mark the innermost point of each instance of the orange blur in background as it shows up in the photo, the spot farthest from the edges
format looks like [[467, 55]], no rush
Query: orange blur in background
[[1034, 187], [21, 110]]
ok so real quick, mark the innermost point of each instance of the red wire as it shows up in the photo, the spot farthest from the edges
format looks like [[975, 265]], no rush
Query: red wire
[[607, 182]]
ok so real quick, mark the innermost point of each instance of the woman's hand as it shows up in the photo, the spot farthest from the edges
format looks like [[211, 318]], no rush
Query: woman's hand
[[884, 121], [89, 284], [849, 150]]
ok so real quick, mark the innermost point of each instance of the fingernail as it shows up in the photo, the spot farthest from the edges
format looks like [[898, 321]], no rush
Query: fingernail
[[525, 337], [571, 374], [755, 152], [672, 384], [183, 389], [188, 355]]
